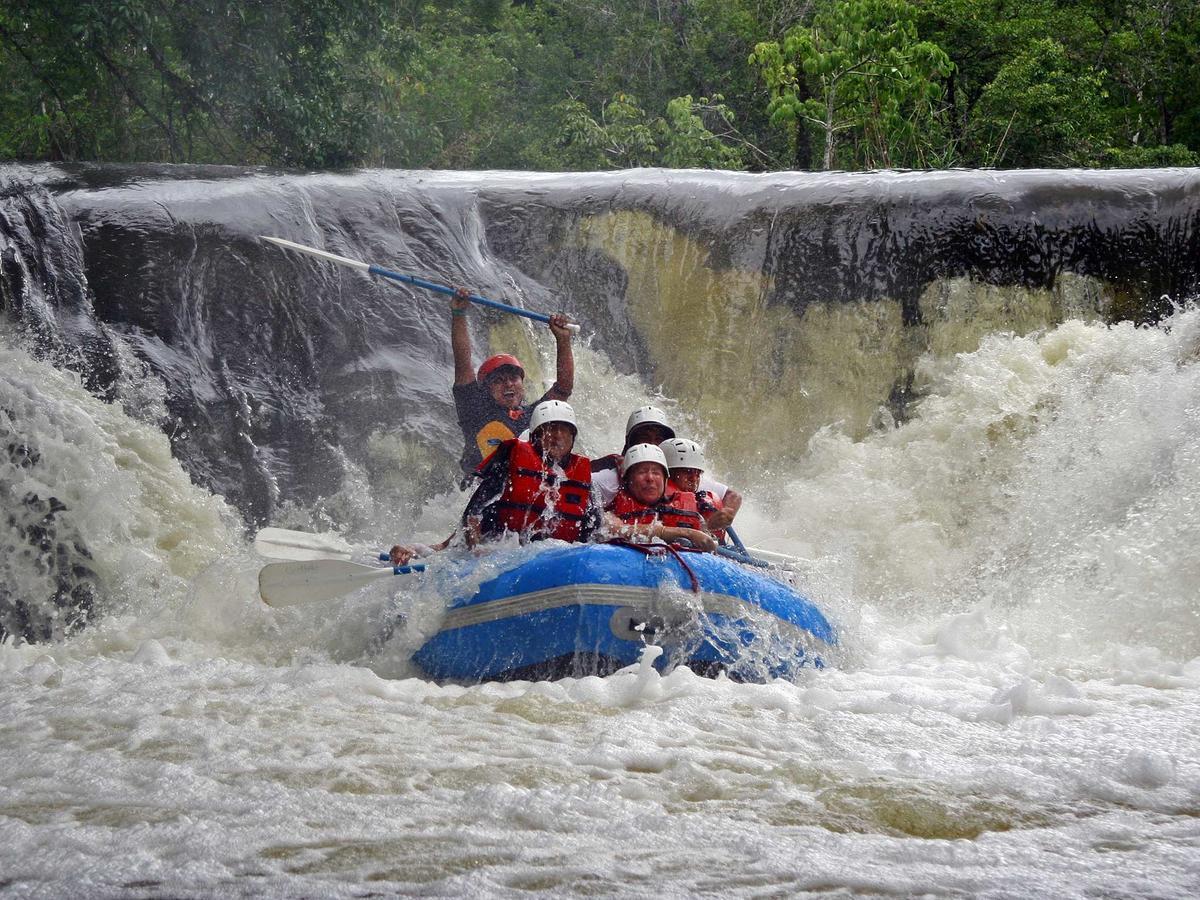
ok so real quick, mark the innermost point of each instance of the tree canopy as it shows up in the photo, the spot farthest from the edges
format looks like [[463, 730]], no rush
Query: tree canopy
[[578, 84]]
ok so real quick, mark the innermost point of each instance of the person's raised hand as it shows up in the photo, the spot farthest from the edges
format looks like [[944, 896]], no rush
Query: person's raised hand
[[558, 326], [732, 501]]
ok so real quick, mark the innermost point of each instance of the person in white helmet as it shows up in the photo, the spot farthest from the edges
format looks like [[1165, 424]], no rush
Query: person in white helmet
[[537, 488], [646, 507], [686, 464], [646, 425]]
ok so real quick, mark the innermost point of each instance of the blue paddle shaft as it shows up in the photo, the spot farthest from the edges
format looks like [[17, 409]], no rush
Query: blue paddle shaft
[[407, 279], [737, 541], [730, 553], [449, 291]]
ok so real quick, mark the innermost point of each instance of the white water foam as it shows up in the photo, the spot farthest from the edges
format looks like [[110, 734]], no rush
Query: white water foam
[[1019, 714], [1053, 479]]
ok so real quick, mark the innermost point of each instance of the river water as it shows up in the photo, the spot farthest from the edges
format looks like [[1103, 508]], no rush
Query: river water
[[1016, 711]]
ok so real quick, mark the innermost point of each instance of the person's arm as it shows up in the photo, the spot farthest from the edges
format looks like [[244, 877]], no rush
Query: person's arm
[[605, 486], [723, 518], [460, 338], [593, 520], [493, 474], [473, 530], [564, 381], [402, 553], [699, 539]]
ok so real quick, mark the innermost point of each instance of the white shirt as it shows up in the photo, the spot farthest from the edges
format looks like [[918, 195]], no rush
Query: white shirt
[[607, 484]]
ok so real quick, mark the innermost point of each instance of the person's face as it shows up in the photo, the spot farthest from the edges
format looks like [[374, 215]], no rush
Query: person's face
[[647, 482], [507, 387], [649, 433], [556, 439], [686, 479]]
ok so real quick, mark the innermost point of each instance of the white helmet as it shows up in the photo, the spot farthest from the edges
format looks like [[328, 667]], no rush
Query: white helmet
[[640, 453], [552, 411], [683, 454], [647, 415]]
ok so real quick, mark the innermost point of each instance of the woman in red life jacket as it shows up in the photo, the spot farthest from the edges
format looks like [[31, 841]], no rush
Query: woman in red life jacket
[[685, 462], [538, 489], [645, 508]]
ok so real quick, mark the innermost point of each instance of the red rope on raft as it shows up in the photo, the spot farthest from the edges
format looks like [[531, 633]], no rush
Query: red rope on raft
[[661, 550]]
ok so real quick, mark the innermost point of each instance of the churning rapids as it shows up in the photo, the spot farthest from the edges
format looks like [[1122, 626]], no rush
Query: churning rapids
[[1009, 556]]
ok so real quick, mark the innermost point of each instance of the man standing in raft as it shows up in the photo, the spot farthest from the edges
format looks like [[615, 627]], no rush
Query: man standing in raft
[[491, 402]]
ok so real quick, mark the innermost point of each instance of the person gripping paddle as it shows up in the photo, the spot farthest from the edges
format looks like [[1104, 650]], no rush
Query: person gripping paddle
[[490, 401]]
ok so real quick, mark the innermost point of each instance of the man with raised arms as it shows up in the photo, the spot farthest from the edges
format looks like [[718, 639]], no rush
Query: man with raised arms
[[491, 401]]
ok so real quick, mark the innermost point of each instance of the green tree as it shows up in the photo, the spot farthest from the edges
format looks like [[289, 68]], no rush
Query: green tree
[[1132, 67], [626, 136], [859, 69], [686, 141], [1041, 108], [540, 83], [1151, 61]]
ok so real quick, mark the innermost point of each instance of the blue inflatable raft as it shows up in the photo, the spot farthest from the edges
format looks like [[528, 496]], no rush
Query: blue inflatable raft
[[590, 609]]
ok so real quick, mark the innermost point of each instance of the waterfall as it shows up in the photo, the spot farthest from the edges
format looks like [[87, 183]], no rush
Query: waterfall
[[767, 309]]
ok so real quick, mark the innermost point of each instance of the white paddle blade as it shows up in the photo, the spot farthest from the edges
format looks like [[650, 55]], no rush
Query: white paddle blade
[[298, 583], [771, 556], [319, 254], [279, 543]]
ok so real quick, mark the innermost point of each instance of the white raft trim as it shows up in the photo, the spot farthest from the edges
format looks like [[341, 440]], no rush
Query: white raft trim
[[648, 600]]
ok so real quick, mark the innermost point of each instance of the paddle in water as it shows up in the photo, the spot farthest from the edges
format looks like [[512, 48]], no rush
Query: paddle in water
[[312, 581], [282, 543]]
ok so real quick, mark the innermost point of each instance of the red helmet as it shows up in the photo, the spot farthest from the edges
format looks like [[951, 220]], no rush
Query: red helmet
[[499, 361]]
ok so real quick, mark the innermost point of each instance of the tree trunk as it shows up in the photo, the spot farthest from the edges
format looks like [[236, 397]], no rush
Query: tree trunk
[[830, 134]]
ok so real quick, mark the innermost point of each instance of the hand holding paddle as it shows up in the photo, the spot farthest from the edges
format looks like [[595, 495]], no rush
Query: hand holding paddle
[[372, 269]]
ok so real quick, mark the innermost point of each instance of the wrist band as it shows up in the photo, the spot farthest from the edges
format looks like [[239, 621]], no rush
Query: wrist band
[[458, 313]]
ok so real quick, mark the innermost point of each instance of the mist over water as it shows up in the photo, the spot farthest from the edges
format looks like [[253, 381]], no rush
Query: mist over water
[[1050, 478], [1011, 569]]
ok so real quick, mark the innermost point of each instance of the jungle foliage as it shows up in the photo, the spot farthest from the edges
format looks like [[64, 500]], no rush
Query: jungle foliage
[[598, 84]]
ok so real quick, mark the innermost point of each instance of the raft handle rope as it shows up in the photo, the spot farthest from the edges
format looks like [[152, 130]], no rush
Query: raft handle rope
[[662, 550]]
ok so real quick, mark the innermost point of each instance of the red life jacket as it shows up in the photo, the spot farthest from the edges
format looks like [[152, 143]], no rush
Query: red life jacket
[[708, 503], [677, 510], [540, 503]]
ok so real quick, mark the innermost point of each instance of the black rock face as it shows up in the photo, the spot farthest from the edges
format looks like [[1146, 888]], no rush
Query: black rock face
[[50, 590]]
